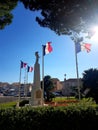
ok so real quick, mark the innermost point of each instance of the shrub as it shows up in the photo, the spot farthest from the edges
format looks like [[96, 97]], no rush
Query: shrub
[[23, 102]]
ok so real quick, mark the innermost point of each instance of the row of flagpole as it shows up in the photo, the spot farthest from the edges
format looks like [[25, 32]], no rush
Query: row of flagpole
[[27, 69], [78, 48], [47, 49]]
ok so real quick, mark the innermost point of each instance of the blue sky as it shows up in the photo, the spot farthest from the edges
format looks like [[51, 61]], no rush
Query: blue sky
[[21, 39]]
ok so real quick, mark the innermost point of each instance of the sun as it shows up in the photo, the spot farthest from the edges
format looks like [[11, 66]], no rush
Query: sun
[[95, 36]]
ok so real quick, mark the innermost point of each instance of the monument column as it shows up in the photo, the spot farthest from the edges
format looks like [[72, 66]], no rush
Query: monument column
[[36, 93]]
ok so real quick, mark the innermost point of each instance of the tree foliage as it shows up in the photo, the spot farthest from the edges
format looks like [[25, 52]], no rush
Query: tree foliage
[[65, 16], [6, 6], [48, 85], [90, 83]]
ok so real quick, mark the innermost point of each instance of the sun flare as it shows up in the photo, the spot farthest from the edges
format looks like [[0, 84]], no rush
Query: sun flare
[[95, 36]]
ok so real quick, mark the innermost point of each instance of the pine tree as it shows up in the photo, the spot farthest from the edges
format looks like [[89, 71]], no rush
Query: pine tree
[[6, 6]]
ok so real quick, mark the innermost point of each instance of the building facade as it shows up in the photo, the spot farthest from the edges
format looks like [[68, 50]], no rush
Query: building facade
[[70, 87]]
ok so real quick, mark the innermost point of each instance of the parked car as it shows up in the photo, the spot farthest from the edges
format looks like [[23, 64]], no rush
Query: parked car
[[56, 94]]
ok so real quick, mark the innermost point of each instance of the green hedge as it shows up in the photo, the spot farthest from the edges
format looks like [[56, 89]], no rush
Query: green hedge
[[23, 102], [73, 117]]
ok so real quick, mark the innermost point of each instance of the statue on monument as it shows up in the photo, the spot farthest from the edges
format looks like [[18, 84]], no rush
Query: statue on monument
[[36, 93], [37, 56]]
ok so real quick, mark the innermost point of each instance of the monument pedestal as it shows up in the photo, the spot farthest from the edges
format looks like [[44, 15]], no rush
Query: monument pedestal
[[36, 97], [36, 93]]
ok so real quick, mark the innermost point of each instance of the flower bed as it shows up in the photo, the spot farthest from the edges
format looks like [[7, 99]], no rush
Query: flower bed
[[61, 103]]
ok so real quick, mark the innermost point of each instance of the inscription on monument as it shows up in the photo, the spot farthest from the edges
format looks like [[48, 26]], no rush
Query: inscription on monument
[[38, 94]]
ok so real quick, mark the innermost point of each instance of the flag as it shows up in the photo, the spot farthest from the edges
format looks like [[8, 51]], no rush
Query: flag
[[82, 47], [29, 69], [87, 46], [23, 65], [47, 48], [78, 47]]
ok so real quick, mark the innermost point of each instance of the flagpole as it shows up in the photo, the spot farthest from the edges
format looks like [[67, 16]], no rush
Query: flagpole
[[43, 70], [25, 89], [19, 82], [78, 85], [27, 82]]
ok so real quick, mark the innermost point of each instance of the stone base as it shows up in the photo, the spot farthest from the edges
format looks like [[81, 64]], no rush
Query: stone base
[[36, 103], [36, 97]]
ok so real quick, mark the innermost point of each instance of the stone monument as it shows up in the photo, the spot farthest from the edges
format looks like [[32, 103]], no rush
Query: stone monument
[[36, 93]]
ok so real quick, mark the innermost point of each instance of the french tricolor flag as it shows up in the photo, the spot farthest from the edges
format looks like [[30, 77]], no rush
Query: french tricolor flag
[[23, 64], [29, 69], [82, 47], [47, 48]]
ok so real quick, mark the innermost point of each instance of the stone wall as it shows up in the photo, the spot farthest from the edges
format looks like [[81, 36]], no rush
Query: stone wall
[[4, 99]]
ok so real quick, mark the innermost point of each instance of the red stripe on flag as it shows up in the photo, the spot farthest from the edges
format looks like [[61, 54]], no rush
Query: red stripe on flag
[[50, 47]]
